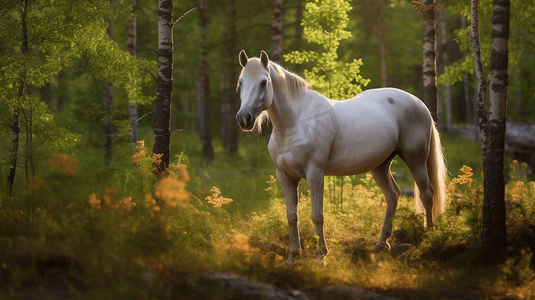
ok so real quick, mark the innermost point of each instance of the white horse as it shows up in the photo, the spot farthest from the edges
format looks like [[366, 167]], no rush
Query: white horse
[[314, 136]]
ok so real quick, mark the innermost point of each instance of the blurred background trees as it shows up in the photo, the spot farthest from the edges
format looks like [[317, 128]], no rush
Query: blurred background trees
[[56, 87]]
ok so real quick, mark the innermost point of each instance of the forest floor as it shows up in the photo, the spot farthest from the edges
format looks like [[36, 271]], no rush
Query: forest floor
[[219, 231]]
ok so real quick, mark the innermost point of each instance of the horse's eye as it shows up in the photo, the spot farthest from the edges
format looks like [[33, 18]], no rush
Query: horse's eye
[[263, 83]]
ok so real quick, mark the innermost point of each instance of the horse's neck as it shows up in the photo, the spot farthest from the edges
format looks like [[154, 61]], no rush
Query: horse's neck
[[284, 110]]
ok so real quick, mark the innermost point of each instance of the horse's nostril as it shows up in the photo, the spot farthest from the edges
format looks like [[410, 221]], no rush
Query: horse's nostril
[[245, 120]]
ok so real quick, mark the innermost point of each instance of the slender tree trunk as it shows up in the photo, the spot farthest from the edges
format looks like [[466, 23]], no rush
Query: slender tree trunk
[[466, 86], [276, 36], [132, 47], [445, 63], [382, 36], [298, 18], [203, 89], [429, 76], [108, 110], [494, 235], [229, 97], [15, 119], [492, 129], [15, 141], [480, 75], [467, 100], [298, 42], [27, 115], [164, 86]]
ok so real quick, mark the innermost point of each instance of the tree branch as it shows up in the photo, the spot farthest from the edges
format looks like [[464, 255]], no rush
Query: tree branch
[[178, 132], [6, 124], [524, 41], [146, 70], [143, 116], [461, 38], [419, 6], [182, 16]]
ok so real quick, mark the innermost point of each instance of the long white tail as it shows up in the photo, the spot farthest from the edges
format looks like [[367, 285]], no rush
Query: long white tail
[[436, 171]]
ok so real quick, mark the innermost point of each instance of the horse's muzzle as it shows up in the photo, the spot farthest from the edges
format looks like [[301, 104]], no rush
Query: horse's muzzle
[[246, 120]]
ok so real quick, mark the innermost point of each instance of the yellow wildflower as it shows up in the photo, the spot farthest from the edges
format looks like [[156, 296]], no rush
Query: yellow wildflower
[[151, 202], [517, 193], [271, 182], [140, 152], [465, 178], [63, 164], [126, 204], [215, 199], [170, 190], [157, 158], [36, 183], [108, 196], [94, 202], [183, 172]]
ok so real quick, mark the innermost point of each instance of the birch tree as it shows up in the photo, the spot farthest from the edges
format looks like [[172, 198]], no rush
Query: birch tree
[[444, 54], [429, 74], [35, 55], [164, 86], [15, 120], [492, 125], [324, 23], [132, 49]]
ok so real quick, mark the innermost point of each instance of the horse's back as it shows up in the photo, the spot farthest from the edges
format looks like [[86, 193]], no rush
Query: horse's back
[[375, 124]]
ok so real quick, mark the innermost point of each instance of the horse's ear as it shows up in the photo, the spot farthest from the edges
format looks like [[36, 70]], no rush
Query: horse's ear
[[264, 58], [243, 58]]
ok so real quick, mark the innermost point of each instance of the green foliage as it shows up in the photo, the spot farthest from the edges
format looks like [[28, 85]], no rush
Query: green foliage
[[118, 228], [324, 23], [518, 270], [58, 35], [116, 232], [520, 35]]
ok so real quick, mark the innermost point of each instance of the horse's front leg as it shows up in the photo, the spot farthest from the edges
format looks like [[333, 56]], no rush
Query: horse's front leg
[[289, 187], [315, 184]]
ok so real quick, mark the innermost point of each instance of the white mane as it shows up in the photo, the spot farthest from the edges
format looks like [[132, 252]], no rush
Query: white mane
[[292, 84]]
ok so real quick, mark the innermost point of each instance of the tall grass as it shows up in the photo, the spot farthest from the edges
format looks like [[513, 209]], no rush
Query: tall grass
[[115, 232]]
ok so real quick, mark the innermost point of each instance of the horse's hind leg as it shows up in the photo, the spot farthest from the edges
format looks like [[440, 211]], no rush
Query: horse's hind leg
[[418, 167], [383, 178]]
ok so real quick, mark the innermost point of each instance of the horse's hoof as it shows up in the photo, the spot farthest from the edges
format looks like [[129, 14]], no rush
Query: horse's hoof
[[290, 260], [321, 262], [320, 257], [380, 247]]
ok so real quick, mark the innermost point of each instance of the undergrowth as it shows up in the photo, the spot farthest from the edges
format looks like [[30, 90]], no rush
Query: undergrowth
[[116, 232]]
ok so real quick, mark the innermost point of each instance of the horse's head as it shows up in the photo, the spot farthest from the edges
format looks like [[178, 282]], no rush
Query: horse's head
[[256, 90]]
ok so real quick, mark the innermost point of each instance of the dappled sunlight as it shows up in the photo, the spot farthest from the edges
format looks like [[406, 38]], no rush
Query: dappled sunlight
[[162, 226]]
